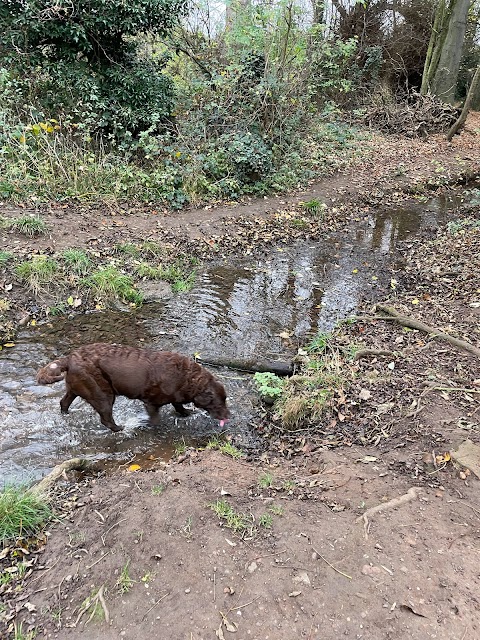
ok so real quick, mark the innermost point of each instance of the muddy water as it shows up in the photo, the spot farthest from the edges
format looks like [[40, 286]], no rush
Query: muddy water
[[262, 307]]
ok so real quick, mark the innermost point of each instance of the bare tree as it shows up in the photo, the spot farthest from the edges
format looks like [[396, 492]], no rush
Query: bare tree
[[472, 92]]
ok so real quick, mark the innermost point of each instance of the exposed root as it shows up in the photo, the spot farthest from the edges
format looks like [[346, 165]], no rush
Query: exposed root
[[412, 494], [93, 601], [406, 321], [43, 487]]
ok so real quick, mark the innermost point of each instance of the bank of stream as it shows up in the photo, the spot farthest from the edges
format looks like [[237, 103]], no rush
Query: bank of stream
[[264, 307]]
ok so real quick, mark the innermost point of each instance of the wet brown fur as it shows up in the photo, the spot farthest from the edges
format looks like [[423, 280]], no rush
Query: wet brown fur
[[99, 372]]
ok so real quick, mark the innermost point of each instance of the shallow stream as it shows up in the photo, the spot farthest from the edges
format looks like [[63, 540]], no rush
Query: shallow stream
[[264, 307]]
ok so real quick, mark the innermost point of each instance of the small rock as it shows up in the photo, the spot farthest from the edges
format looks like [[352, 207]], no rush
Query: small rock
[[187, 590], [252, 567], [302, 577]]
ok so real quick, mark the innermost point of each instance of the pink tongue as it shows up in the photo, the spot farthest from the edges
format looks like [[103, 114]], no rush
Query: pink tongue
[[222, 422]]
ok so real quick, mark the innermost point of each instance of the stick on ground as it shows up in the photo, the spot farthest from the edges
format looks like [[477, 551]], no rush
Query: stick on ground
[[412, 494]]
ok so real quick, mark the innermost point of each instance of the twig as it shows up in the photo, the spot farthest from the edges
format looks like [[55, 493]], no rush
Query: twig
[[44, 572], [97, 561], [412, 494], [113, 525], [243, 605], [214, 582], [331, 565], [154, 605]]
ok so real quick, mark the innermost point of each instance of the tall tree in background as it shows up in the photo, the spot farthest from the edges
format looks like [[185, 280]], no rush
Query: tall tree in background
[[444, 54]]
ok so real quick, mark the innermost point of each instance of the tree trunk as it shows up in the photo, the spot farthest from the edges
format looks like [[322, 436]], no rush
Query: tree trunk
[[471, 95], [444, 80], [437, 38], [318, 11]]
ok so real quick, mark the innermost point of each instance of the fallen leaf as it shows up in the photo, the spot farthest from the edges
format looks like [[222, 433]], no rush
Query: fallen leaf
[[134, 467], [294, 594], [367, 459], [364, 394]]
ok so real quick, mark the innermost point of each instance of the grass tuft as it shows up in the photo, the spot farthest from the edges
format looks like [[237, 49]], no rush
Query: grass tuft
[[30, 226], [37, 272], [77, 261], [238, 522], [22, 513], [109, 283]]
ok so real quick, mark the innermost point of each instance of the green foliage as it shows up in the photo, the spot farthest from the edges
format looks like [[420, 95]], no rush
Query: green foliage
[[266, 520], [5, 256], [227, 448], [319, 344], [124, 582], [265, 481], [81, 58], [455, 227], [22, 513], [77, 261], [90, 110], [269, 385], [238, 522]]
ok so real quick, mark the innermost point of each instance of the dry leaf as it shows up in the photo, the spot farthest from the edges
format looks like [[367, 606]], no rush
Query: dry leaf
[[134, 467], [364, 394]]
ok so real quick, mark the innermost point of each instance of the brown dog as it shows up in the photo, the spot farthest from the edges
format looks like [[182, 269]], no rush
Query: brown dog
[[99, 372]]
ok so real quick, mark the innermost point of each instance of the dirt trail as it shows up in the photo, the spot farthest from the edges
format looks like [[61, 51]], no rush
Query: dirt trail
[[170, 570], [389, 168]]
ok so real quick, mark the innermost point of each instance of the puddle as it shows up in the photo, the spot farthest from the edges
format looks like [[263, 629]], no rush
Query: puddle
[[237, 308]]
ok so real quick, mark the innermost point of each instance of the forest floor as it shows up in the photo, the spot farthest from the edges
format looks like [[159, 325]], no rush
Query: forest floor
[[282, 546]]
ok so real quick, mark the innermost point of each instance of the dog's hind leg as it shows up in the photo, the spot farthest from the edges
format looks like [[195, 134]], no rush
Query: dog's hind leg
[[152, 410], [67, 400]]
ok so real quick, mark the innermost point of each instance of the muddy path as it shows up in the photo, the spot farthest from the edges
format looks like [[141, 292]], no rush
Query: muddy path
[[388, 169]]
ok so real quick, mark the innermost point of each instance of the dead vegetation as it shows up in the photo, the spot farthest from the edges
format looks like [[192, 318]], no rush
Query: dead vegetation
[[420, 116]]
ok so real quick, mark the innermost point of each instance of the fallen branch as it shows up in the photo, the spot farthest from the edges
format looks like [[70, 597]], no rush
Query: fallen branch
[[277, 367], [74, 464], [412, 494], [406, 321]]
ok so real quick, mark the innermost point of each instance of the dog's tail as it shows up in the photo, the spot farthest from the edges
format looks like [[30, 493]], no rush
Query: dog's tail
[[52, 372]]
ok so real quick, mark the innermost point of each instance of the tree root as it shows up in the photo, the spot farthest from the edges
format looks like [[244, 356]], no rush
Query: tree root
[[93, 601], [412, 494], [406, 321], [43, 487]]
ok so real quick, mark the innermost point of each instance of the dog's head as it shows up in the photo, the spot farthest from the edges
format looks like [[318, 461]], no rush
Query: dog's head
[[214, 400]]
